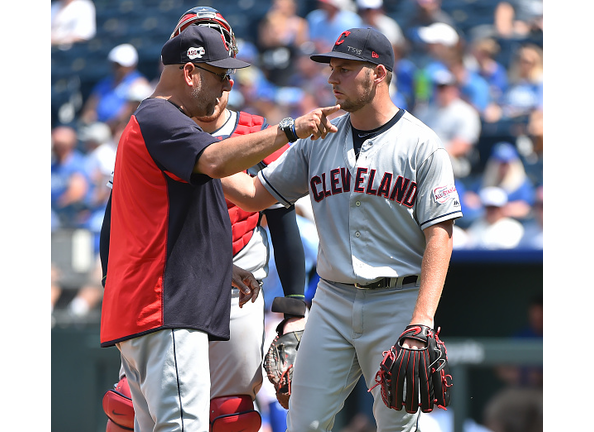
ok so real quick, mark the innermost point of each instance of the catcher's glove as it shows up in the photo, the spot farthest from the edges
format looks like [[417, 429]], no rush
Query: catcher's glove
[[415, 378], [278, 364]]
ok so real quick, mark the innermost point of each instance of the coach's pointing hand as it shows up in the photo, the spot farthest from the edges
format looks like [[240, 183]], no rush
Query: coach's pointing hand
[[316, 123]]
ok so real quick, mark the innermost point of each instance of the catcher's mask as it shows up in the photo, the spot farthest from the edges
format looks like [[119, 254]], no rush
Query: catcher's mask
[[209, 17]]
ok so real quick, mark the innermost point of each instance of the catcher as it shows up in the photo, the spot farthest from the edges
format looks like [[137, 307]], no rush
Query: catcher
[[236, 365]]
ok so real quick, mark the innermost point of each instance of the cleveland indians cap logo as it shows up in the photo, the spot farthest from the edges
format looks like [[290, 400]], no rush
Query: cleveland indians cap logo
[[342, 36]]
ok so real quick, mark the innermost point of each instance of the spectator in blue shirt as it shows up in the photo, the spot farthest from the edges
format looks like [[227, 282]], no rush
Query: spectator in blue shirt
[[329, 20], [484, 52], [108, 102], [526, 77], [69, 180], [474, 89], [525, 92], [505, 169]]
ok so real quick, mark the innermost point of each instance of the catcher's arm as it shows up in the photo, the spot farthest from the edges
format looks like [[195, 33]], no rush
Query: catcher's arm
[[434, 268], [290, 263]]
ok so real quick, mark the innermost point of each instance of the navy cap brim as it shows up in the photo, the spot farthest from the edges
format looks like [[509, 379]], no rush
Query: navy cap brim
[[325, 58], [228, 63]]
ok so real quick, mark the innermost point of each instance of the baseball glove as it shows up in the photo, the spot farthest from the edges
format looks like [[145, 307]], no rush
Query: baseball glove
[[415, 378], [279, 361]]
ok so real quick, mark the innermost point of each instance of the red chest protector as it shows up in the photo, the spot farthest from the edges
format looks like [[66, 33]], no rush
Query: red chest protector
[[243, 223]]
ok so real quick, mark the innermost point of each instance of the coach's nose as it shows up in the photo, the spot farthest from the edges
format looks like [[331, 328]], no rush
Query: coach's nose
[[227, 85]]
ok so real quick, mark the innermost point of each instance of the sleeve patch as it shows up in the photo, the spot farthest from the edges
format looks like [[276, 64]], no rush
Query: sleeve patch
[[441, 194]]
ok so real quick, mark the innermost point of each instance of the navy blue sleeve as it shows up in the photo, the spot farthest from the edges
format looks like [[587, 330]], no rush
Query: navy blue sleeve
[[288, 250]]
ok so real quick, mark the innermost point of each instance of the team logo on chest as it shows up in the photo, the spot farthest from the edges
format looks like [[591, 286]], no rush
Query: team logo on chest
[[395, 188]]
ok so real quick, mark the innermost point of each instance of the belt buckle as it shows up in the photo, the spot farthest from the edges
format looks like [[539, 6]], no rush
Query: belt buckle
[[366, 286], [373, 285]]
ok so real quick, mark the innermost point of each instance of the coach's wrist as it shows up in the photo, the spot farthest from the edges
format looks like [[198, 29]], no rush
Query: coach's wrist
[[287, 125]]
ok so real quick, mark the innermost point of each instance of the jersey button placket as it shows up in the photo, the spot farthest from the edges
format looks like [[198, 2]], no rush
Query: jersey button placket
[[356, 206]]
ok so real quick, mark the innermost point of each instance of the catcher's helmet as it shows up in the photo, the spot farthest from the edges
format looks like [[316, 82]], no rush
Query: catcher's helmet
[[210, 17]]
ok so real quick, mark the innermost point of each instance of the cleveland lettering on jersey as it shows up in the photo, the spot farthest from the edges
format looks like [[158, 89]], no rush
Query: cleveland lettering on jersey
[[401, 190]]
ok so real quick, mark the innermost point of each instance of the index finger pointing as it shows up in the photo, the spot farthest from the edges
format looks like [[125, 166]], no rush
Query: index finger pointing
[[330, 110]]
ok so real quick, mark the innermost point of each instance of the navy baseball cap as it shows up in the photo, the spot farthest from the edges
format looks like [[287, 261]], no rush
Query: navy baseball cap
[[199, 44], [361, 44]]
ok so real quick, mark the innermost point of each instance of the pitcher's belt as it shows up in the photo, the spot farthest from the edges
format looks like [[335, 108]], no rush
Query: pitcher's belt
[[388, 282]]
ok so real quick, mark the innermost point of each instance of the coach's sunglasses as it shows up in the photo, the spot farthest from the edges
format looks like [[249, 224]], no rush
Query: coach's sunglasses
[[222, 76]]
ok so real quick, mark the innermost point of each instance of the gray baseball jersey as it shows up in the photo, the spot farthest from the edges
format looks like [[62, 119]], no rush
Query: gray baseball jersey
[[370, 211]]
